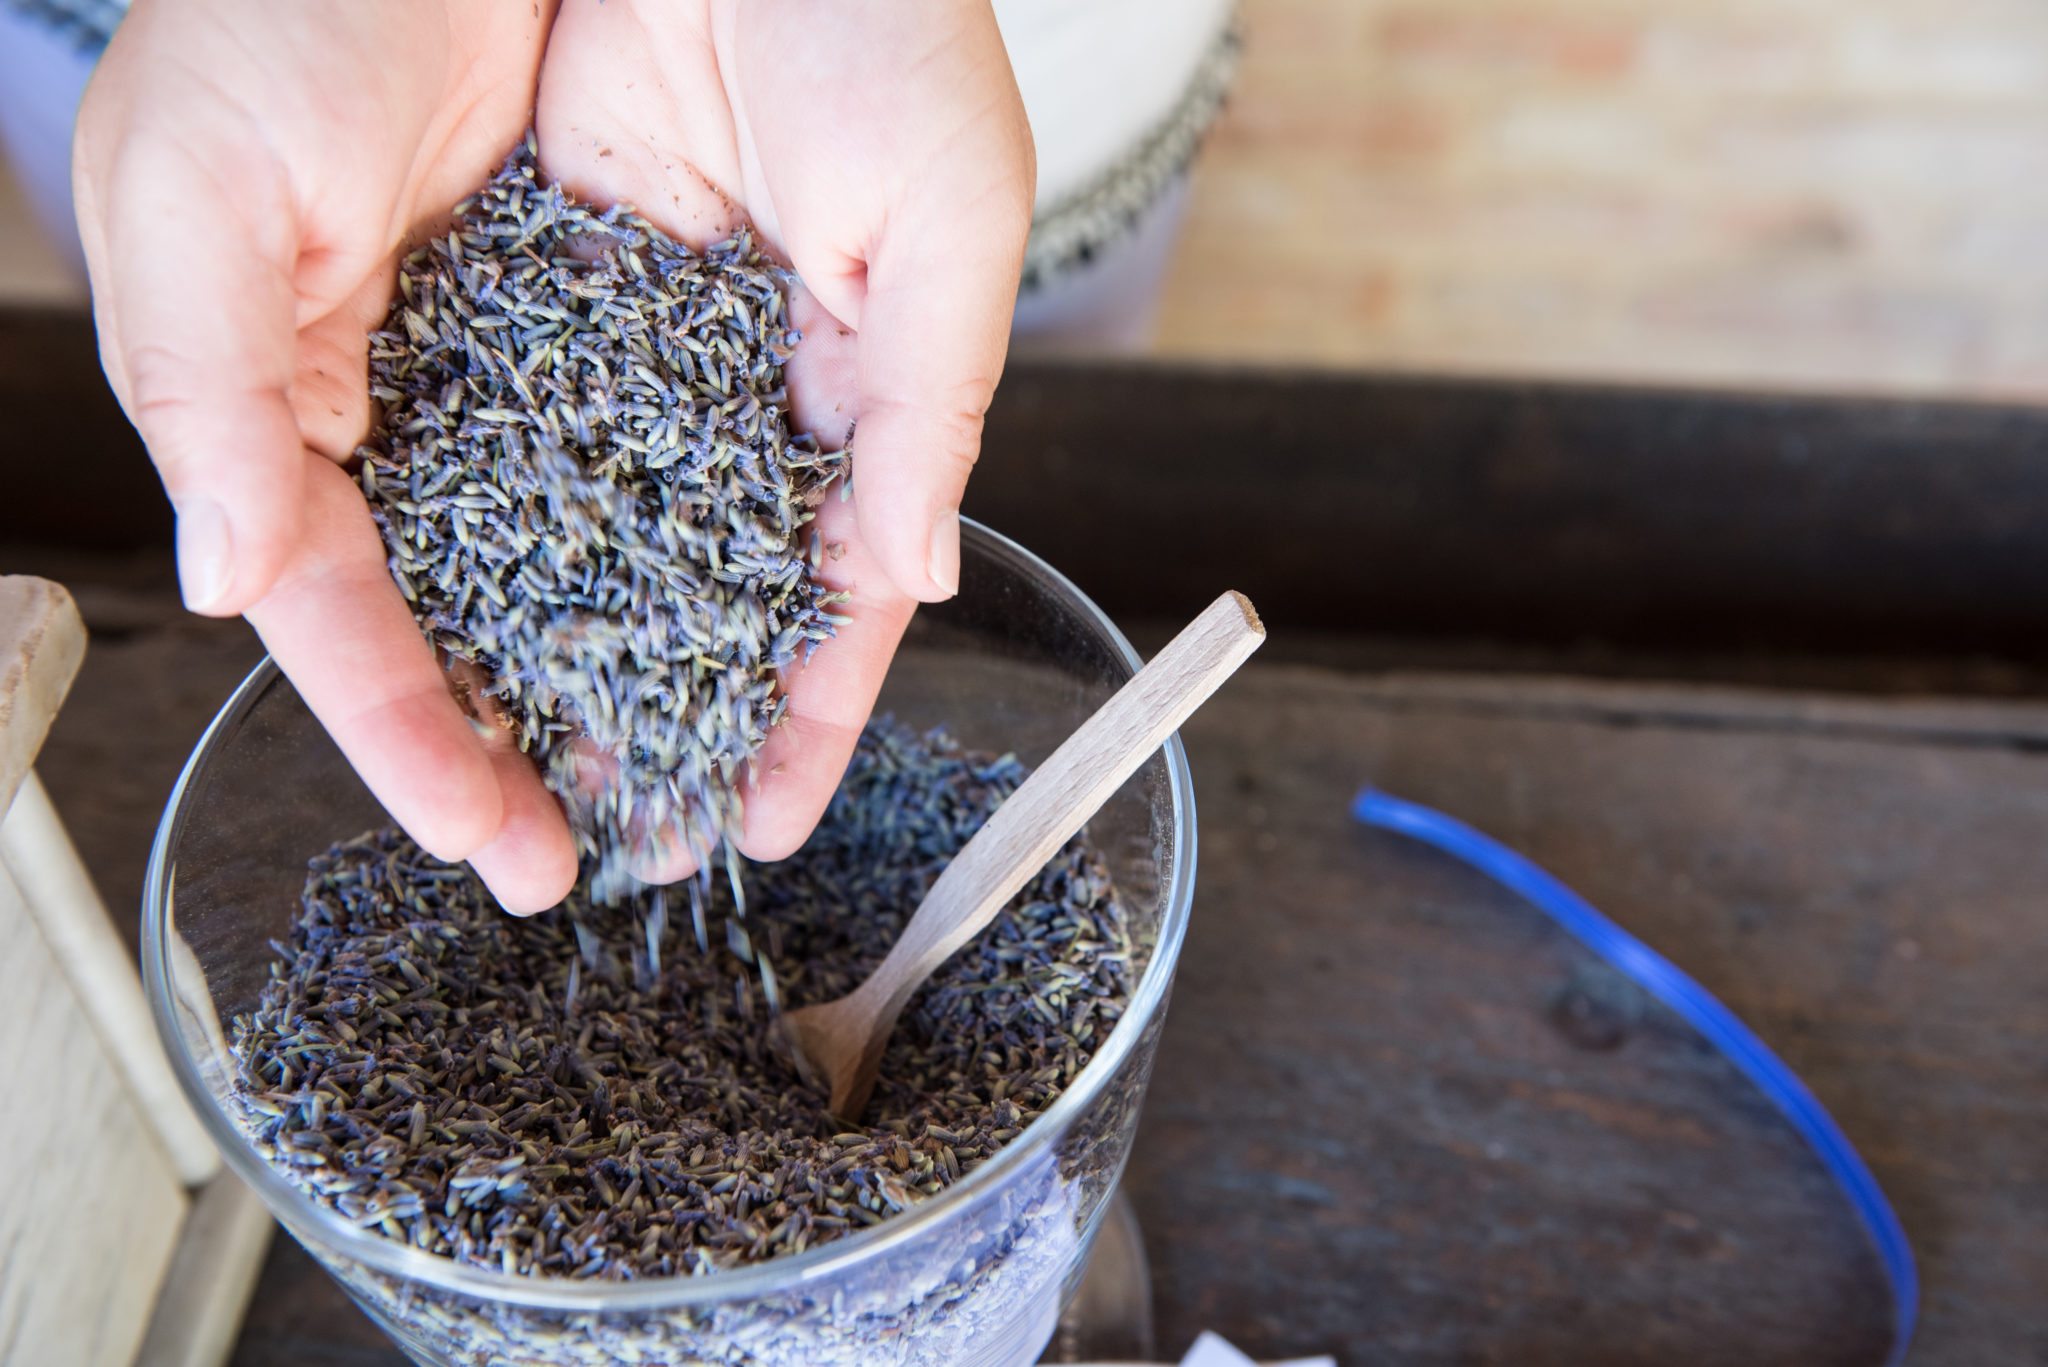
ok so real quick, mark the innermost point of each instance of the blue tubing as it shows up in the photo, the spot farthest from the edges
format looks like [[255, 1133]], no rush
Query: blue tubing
[[1661, 978]]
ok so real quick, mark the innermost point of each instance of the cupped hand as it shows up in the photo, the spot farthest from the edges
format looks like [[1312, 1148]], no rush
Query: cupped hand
[[880, 148], [247, 174]]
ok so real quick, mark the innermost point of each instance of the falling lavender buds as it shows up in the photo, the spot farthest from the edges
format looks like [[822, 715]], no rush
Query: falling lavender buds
[[587, 485], [563, 1097]]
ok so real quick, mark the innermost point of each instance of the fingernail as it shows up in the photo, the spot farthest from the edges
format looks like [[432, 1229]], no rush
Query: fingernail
[[943, 564], [205, 553]]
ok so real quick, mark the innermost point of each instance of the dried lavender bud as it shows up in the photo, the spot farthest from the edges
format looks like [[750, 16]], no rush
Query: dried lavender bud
[[572, 1095], [586, 481]]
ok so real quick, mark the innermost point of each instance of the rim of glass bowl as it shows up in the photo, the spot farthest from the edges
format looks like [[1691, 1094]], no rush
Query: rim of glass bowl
[[756, 1280]]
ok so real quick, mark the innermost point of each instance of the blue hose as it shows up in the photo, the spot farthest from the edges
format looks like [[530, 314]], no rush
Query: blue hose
[[1722, 1028]]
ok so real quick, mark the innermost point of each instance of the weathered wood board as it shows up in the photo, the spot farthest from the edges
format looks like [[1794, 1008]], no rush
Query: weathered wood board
[[103, 1159], [1399, 1118], [103, 1205]]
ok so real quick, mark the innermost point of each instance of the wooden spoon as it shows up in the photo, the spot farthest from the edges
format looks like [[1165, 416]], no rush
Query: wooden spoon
[[840, 1043]]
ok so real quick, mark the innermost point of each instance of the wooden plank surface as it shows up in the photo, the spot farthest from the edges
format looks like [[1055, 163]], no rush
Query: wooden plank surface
[[198, 1314], [39, 855], [1681, 522], [1649, 520], [1399, 1118], [1828, 194], [1448, 1136], [92, 1207]]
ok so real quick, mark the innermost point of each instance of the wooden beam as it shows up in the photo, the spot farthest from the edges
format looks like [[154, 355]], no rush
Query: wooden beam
[[42, 641], [213, 1271], [37, 852], [90, 1208]]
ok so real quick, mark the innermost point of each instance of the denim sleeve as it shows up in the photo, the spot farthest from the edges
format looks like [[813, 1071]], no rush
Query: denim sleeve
[[91, 22]]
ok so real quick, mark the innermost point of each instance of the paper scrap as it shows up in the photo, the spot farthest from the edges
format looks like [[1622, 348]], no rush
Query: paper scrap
[[1212, 1350]]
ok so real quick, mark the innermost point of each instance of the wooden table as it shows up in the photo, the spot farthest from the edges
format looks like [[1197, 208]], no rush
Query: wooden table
[[1397, 1116]]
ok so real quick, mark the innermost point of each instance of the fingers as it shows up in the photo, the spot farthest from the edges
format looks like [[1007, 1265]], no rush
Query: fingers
[[201, 350], [797, 771], [337, 626], [632, 111], [339, 629], [934, 328], [666, 855], [331, 391], [907, 217], [824, 374], [670, 855], [530, 864]]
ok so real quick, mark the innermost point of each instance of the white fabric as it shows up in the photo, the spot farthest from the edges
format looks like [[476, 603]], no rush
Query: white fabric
[[1098, 75]]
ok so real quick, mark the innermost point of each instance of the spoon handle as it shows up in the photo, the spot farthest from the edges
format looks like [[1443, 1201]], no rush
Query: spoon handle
[[1062, 793]]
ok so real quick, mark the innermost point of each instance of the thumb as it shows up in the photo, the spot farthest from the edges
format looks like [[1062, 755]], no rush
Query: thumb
[[198, 335], [934, 328]]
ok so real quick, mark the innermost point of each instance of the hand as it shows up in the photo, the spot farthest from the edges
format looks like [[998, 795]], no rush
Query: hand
[[246, 177], [246, 172], [881, 148]]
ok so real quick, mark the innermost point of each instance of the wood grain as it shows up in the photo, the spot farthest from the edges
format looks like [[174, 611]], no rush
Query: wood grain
[[1399, 1118], [1736, 532], [1641, 520], [91, 1207], [1418, 1126], [42, 640], [38, 854], [1818, 195], [212, 1274], [1823, 193]]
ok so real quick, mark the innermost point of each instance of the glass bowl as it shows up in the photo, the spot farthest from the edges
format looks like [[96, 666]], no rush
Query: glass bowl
[[974, 1276]]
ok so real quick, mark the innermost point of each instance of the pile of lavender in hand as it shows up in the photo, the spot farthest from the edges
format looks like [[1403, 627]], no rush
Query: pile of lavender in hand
[[591, 1092], [586, 480]]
